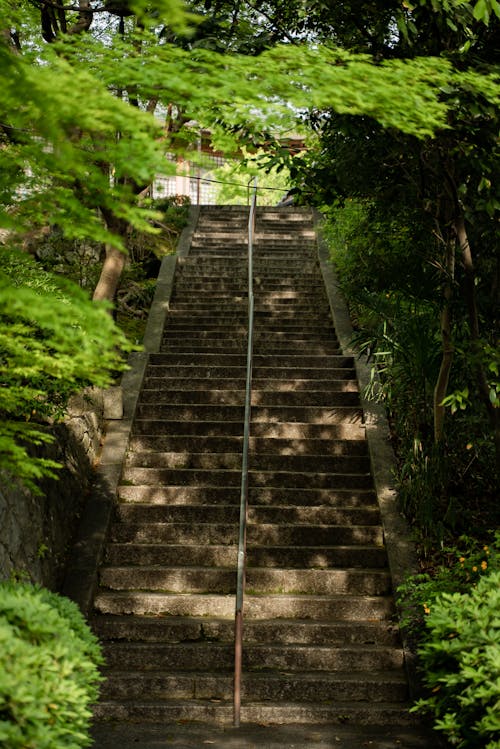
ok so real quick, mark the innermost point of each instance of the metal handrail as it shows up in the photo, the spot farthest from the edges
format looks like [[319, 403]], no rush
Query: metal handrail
[[240, 580]]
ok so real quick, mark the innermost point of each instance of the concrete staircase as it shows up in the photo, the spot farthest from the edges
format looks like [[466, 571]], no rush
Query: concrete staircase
[[320, 645]]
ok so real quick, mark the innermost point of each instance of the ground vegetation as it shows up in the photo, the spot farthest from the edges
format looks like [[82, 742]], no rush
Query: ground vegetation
[[49, 674]]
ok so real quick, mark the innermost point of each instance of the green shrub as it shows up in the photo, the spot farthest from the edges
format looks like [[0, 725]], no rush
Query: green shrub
[[393, 284], [48, 670], [465, 565], [461, 662], [379, 253]]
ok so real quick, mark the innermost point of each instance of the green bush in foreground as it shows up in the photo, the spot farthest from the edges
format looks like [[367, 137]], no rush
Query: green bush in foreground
[[461, 662], [48, 670], [465, 564]]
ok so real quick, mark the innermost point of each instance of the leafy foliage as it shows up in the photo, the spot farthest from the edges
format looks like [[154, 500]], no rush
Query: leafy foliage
[[420, 266], [461, 660], [457, 569], [54, 148], [388, 272], [236, 177], [86, 122], [53, 343], [48, 670]]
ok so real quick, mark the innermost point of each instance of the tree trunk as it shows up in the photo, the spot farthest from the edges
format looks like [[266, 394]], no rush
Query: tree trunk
[[470, 295], [441, 387], [111, 272], [84, 20]]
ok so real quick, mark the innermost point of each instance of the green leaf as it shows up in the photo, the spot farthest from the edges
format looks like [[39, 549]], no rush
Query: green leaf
[[481, 11]]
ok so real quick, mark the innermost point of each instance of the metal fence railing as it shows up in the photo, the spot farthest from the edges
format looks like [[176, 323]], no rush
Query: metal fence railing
[[240, 581]]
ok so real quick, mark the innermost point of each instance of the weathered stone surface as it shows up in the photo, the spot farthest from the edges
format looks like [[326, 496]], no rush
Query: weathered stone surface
[[319, 642], [113, 403], [36, 531]]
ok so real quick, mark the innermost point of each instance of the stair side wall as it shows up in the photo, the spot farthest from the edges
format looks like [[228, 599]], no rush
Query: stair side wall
[[36, 531], [401, 550]]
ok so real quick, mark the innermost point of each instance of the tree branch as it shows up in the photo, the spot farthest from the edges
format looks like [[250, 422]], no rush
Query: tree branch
[[85, 16], [272, 22], [70, 8]]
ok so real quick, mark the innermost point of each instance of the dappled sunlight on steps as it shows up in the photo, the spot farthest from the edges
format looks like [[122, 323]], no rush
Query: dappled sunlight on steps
[[320, 643]]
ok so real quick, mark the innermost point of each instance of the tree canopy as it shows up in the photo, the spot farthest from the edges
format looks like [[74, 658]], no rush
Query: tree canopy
[[424, 272], [95, 96]]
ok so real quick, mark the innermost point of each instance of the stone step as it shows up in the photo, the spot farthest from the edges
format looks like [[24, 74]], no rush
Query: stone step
[[221, 347], [187, 284], [235, 319], [238, 297], [306, 686], [340, 396], [145, 555], [335, 464], [203, 293], [232, 477], [307, 557], [313, 608], [269, 276], [298, 268], [258, 580], [290, 308], [268, 414], [203, 314], [284, 430], [270, 341], [222, 325], [266, 314], [213, 428], [262, 713], [265, 341], [281, 515], [267, 264], [300, 234], [257, 445], [274, 270], [295, 278], [178, 629], [207, 294], [193, 412], [175, 533], [186, 396], [288, 318], [271, 534], [307, 535], [284, 214], [272, 305], [302, 373], [343, 379], [292, 361], [238, 251], [237, 246], [210, 656], [289, 374], [270, 232], [225, 306], [201, 495], [263, 346]]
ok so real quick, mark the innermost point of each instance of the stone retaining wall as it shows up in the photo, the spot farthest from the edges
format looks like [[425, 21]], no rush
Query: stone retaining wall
[[36, 531]]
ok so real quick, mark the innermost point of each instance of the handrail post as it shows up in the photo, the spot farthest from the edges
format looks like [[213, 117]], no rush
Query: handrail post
[[240, 581]]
